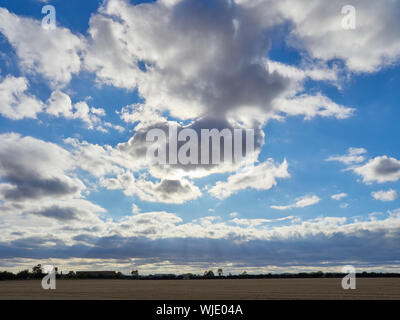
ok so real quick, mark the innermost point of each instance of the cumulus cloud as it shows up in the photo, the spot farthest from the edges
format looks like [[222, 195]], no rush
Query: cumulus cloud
[[380, 169], [314, 72], [132, 154], [164, 225], [32, 169], [73, 211], [166, 191], [354, 155], [99, 160], [260, 177], [301, 202], [382, 195], [152, 225], [54, 54], [15, 103], [188, 78], [186, 57], [59, 213], [339, 196], [163, 236], [59, 104], [142, 116], [312, 106], [191, 79], [317, 29], [117, 169], [57, 221], [39, 188]]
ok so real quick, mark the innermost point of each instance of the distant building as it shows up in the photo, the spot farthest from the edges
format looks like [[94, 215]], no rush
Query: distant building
[[96, 273]]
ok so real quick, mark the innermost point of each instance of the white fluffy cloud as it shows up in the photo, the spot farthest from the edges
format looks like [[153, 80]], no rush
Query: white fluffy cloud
[[301, 202], [192, 54], [108, 55], [132, 154], [34, 169], [165, 191], [380, 169], [317, 28], [99, 160], [116, 169], [382, 195], [260, 177], [15, 103], [312, 106], [142, 115], [60, 105], [314, 72], [133, 237], [339, 196], [354, 155], [185, 61], [38, 182], [52, 53], [186, 57]]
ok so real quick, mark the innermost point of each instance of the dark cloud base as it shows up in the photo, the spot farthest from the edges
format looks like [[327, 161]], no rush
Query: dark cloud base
[[367, 248]]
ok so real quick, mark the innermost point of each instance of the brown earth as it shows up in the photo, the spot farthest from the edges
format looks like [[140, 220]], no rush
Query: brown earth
[[367, 288]]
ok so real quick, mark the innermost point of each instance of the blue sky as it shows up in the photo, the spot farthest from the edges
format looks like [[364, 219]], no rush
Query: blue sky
[[75, 102]]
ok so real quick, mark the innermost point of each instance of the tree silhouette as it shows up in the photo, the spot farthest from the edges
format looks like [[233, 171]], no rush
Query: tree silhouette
[[135, 273], [209, 274], [37, 270], [24, 274]]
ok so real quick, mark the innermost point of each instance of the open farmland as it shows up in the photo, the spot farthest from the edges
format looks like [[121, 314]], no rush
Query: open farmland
[[367, 288]]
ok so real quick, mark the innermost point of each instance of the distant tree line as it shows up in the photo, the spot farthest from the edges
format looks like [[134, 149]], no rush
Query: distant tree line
[[37, 273]]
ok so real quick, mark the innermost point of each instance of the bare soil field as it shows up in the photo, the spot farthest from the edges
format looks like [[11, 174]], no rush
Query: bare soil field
[[259, 289]]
